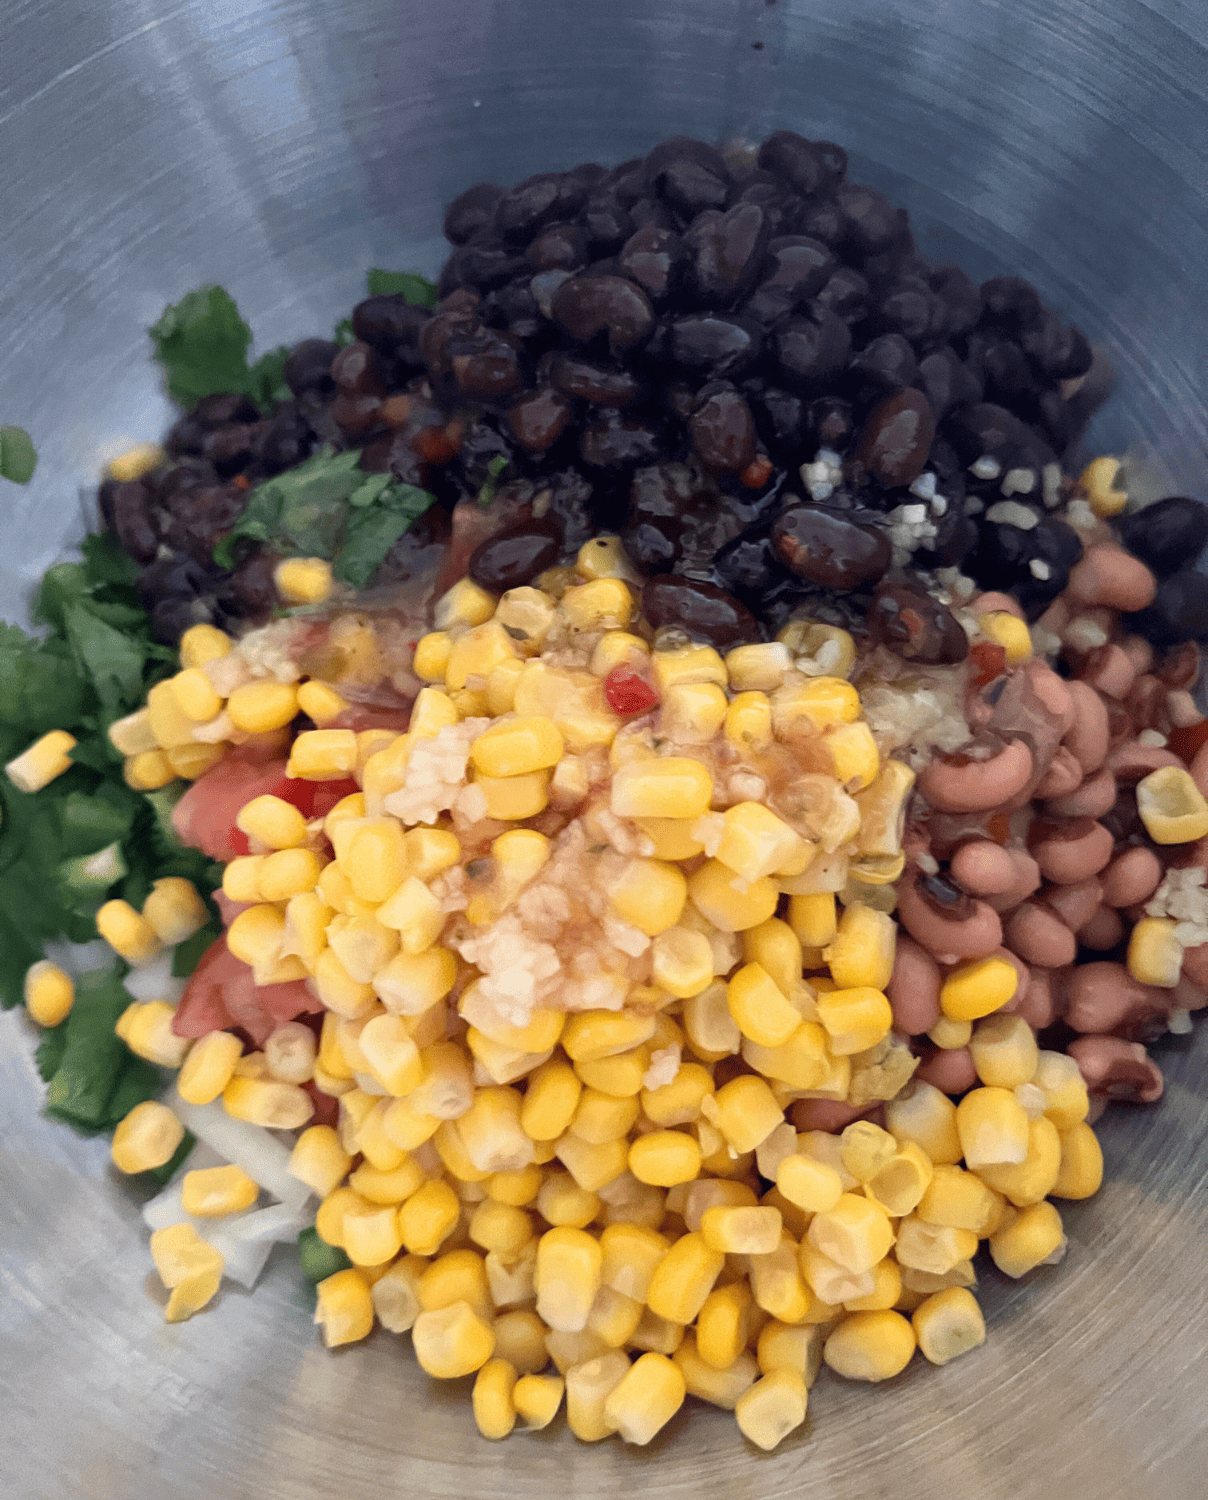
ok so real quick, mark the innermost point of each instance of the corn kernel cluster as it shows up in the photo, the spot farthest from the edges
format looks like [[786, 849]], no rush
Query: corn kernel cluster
[[522, 1179]]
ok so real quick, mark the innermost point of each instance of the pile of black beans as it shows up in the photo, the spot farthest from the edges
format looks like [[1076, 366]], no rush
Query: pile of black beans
[[656, 349]]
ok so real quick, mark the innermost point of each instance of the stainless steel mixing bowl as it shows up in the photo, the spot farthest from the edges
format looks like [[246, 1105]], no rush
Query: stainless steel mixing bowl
[[281, 146]]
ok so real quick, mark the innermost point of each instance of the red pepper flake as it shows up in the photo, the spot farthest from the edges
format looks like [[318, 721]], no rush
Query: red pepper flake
[[987, 660], [1186, 741], [757, 472], [628, 692], [241, 482]]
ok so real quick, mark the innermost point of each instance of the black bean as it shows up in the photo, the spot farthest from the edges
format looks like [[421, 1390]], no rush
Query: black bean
[[539, 419], [561, 246], [795, 270], [823, 219], [896, 438], [956, 536], [596, 383], [471, 211], [651, 213], [664, 492], [492, 369], [1167, 535], [946, 382], [484, 263], [356, 369], [885, 364], [1009, 379], [1056, 349], [701, 610], [845, 294], [418, 553], [807, 167], [960, 297], [827, 548], [873, 224], [748, 566], [547, 198], [1178, 613], [985, 430], [576, 508], [1004, 554], [217, 411], [608, 309], [626, 182], [909, 310], [607, 224], [1010, 302], [515, 555], [250, 593], [1057, 419], [678, 397], [197, 525], [811, 348], [831, 423], [308, 367], [133, 520], [229, 448], [655, 259], [172, 577], [285, 441], [514, 308], [726, 252], [652, 546], [782, 420], [688, 176], [915, 626], [714, 345], [723, 431], [446, 333], [356, 415], [617, 443], [782, 208], [390, 324]]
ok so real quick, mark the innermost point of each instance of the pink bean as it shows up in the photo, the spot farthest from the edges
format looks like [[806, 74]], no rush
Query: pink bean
[[1180, 667], [1131, 877], [914, 988], [1199, 770], [1102, 930], [1139, 651], [1087, 736], [1104, 996], [957, 783], [986, 604], [1108, 577], [1041, 1004], [1092, 799], [965, 929], [1146, 702], [831, 1115], [1132, 760], [984, 868], [1108, 670], [949, 1069], [1195, 965], [1040, 937], [1069, 850], [1117, 1069], [1023, 981], [1063, 776], [1074, 904]]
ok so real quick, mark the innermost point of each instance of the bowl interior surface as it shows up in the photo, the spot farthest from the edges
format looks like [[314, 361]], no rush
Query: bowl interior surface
[[280, 147]]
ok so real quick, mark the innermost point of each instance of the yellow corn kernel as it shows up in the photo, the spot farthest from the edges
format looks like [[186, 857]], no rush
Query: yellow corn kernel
[[757, 668], [948, 1324], [645, 1399], [631, 1252], [395, 1293], [618, 648], [813, 706], [688, 665], [755, 842], [452, 1341], [1033, 1236], [431, 851], [194, 694], [344, 1308], [255, 936], [738, 1229], [499, 1227], [1171, 806], [855, 1233], [1004, 1051], [264, 1101], [681, 961], [933, 1248], [323, 754], [785, 1346], [664, 1157], [870, 1346], [287, 873], [921, 1113], [427, 1218], [1081, 1171], [412, 983], [862, 951], [319, 1160], [864, 1148], [550, 1101], [520, 1339], [130, 935], [464, 604], [1102, 482], [49, 993], [683, 1279], [1155, 955], [593, 1034], [392, 1057], [494, 1407], [951, 1034], [813, 919], [191, 761], [649, 895], [887, 1288], [135, 462], [678, 1102], [993, 1129], [778, 1286], [854, 1019], [748, 723], [492, 1134], [257, 707], [1009, 632], [415, 914], [745, 1111], [569, 1262], [602, 604], [854, 754], [241, 878], [774, 946], [511, 798], [711, 1030], [621, 1075], [728, 902], [602, 1117], [771, 1408], [810, 1184], [375, 860], [132, 735], [147, 771], [379, 1185], [303, 580], [169, 724], [306, 920], [537, 1399], [203, 643], [329, 1219], [517, 746], [604, 557], [432, 652], [45, 759], [898, 1184], [174, 909], [272, 822], [562, 1203], [457, 1276], [613, 1318], [1032, 1179], [214, 1192], [209, 1067], [148, 1137], [667, 787], [189, 1266], [1066, 1101], [570, 782], [516, 1188], [691, 713], [977, 989], [956, 1199], [475, 655], [592, 1167], [761, 1011], [588, 1386], [369, 743]]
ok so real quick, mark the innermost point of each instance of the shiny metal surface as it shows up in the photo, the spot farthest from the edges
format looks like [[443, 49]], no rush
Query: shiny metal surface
[[280, 147]]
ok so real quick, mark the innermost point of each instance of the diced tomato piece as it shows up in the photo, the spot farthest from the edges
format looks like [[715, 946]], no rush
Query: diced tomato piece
[[1188, 741], [987, 660], [205, 816], [757, 472], [202, 1008], [628, 692], [315, 799]]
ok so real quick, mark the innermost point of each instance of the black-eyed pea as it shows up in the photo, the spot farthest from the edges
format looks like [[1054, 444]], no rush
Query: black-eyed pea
[[1102, 930], [1088, 735], [1039, 936], [976, 777], [1063, 775], [1116, 1069], [1094, 797], [1070, 849], [950, 924]]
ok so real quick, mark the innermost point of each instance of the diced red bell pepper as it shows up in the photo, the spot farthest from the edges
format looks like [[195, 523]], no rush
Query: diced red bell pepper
[[628, 693]]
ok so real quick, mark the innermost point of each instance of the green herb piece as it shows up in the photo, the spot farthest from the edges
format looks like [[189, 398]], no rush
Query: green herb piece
[[107, 562], [160, 1176], [18, 459], [112, 659], [490, 485], [90, 820], [94, 1057], [266, 383], [202, 343], [189, 953], [373, 528], [415, 289], [137, 1082], [319, 1259], [343, 334], [41, 686], [49, 1056], [299, 511]]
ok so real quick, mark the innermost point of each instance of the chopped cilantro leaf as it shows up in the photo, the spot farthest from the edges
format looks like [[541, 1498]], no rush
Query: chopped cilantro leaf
[[90, 820], [416, 289], [319, 1259], [106, 561], [343, 334], [94, 1060], [266, 379], [490, 485], [50, 1051], [375, 527], [111, 658], [41, 686], [299, 511], [18, 459], [202, 343]]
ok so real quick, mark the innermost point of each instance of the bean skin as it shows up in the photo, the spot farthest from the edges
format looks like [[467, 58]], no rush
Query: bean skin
[[1025, 883], [1104, 996], [1075, 904], [1092, 799], [983, 868], [1103, 931], [1040, 1003], [974, 933], [1131, 761], [955, 783], [1039, 936], [1116, 1069], [914, 988], [1062, 776]]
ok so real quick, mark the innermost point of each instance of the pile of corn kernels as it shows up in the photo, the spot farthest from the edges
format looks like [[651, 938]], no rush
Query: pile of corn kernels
[[580, 964]]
